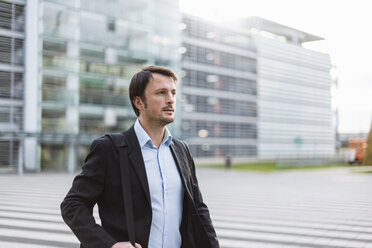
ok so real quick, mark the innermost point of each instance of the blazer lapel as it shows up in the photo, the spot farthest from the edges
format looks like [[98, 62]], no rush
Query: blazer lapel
[[135, 156], [181, 166]]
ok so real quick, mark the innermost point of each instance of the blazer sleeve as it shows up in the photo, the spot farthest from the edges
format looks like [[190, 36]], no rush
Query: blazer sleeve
[[200, 206], [86, 190]]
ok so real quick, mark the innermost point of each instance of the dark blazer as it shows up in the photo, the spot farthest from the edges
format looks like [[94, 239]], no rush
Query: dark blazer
[[100, 183]]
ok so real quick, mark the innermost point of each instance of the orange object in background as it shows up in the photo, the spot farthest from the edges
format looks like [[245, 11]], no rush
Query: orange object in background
[[357, 149]]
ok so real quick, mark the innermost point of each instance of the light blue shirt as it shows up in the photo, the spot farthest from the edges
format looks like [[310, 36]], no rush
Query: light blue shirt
[[166, 191]]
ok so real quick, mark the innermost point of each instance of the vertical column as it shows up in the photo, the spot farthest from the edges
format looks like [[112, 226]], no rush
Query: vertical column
[[72, 84], [12, 62], [73, 87], [72, 158], [20, 158], [32, 94]]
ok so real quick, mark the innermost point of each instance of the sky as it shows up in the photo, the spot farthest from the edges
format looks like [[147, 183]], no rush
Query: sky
[[346, 27]]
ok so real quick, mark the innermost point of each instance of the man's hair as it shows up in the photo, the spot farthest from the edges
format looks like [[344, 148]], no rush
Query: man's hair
[[141, 79]]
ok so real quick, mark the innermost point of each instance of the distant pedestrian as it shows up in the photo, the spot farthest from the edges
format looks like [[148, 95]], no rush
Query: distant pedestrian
[[228, 161]]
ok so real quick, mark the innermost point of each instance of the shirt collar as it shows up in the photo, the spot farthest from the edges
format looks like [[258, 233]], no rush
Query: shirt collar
[[144, 138], [167, 137]]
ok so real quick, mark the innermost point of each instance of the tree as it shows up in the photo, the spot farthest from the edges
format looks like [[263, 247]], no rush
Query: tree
[[368, 155]]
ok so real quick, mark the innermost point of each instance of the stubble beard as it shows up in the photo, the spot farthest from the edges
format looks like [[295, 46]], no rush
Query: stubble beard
[[160, 120], [165, 120]]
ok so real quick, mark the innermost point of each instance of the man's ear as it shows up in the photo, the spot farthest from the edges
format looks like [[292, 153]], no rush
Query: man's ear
[[138, 103]]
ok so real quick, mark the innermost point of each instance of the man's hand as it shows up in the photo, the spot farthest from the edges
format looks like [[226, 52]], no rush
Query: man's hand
[[125, 245]]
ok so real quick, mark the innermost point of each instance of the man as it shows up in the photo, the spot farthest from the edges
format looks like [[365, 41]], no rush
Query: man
[[168, 208]]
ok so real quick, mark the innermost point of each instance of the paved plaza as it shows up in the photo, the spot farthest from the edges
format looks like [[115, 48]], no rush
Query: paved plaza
[[317, 208]]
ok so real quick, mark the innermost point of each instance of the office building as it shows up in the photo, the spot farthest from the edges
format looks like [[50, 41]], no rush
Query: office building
[[251, 90], [79, 58], [12, 38], [247, 89], [294, 101], [219, 90]]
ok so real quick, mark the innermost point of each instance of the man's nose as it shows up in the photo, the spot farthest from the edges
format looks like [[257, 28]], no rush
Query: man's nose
[[171, 98]]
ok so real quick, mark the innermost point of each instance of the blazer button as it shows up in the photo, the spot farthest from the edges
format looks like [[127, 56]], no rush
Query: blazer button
[[148, 223]]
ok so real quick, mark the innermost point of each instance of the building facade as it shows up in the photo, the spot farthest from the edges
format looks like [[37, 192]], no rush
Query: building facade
[[254, 91], [247, 89], [294, 93], [219, 90], [12, 39], [79, 58]]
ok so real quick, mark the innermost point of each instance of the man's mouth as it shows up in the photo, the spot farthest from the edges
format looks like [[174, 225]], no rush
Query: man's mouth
[[168, 110]]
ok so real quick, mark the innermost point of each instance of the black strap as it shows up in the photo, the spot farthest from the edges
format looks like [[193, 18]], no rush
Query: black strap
[[117, 140]]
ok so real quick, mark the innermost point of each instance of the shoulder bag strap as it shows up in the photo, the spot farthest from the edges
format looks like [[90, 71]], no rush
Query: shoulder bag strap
[[117, 139]]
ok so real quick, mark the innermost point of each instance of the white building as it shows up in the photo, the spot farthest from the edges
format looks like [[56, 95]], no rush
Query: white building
[[294, 101], [219, 90], [78, 58], [12, 37], [248, 89], [291, 98]]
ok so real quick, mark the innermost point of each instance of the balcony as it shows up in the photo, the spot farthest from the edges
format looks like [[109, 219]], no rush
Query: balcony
[[100, 97], [62, 63], [91, 125], [59, 95], [57, 125]]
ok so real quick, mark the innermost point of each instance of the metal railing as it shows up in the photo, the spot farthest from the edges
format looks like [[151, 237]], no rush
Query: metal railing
[[103, 98], [59, 95]]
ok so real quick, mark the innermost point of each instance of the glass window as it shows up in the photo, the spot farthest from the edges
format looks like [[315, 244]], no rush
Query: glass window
[[60, 21], [54, 157], [212, 150], [219, 82], [111, 24], [54, 120], [57, 47]]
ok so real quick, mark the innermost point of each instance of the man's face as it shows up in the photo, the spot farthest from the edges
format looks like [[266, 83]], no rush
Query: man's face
[[158, 106]]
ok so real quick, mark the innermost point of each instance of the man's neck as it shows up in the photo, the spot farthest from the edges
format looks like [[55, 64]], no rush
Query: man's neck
[[154, 130]]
